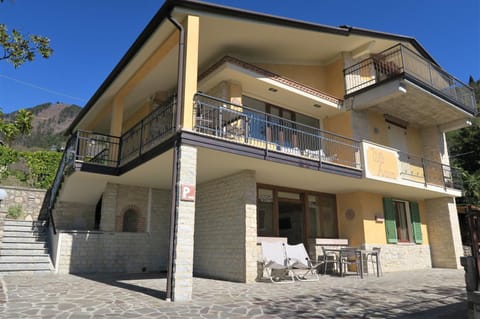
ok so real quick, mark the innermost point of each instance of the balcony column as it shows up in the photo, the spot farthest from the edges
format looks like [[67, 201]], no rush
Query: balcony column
[[191, 25], [435, 145], [444, 232], [117, 117]]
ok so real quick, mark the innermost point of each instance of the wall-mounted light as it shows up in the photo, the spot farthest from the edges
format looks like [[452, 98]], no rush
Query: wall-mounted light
[[273, 90], [402, 88], [317, 105]]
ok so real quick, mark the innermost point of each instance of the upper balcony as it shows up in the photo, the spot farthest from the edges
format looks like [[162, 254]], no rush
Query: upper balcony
[[403, 84]]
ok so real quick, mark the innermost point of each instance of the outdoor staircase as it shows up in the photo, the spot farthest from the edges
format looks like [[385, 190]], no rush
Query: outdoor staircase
[[24, 247]]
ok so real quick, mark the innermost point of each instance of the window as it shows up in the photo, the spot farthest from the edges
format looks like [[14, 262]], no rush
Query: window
[[402, 221]]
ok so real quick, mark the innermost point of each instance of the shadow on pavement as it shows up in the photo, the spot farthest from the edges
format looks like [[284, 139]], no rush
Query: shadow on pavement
[[130, 282]]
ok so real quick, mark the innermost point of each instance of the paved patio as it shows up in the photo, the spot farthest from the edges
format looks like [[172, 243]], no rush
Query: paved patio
[[436, 293]]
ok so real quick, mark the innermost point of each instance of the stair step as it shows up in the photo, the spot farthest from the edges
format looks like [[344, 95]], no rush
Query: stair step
[[30, 239], [26, 266], [38, 259], [24, 222], [24, 228], [12, 233], [23, 252], [35, 245]]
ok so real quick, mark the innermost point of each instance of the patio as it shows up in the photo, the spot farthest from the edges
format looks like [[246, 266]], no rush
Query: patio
[[432, 293]]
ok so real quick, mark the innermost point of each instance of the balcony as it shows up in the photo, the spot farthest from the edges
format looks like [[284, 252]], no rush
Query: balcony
[[246, 126], [388, 164], [397, 80]]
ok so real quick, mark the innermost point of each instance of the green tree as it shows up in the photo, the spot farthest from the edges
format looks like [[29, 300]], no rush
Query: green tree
[[21, 125], [19, 48]]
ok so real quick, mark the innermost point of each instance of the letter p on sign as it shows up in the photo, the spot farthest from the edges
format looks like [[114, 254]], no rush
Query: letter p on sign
[[187, 192]]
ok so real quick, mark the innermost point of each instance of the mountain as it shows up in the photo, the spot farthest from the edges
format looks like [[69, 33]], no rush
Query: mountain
[[50, 121]]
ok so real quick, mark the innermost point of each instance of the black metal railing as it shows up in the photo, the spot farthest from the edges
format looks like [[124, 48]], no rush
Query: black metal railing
[[97, 148], [399, 60], [66, 160], [148, 133], [241, 124], [429, 172]]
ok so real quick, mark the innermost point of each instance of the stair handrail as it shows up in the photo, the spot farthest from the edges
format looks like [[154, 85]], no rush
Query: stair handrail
[[62, 165]]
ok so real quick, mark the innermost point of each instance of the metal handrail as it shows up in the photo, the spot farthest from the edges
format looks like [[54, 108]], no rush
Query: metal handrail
[[399, 60], [62, 165], [414, 167], [245, 125], [149, 132]]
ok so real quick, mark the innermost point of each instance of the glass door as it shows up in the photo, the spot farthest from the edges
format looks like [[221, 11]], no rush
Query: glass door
[[290, 221]]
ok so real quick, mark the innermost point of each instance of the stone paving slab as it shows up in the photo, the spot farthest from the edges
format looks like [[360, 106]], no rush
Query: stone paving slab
[[434, 293]]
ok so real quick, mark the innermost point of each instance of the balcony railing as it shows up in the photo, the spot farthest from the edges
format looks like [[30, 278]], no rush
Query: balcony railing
[[399, 60], [148, 133], [244, 125], [429, 172], [387, 163]]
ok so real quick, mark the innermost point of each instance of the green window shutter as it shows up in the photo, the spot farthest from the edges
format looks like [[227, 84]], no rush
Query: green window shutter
[[416, 224], [390, 224]]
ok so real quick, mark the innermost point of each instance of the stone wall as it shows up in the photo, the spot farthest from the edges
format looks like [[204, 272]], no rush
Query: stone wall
[[444, 232], [78, 249], [225, 228], [29, 199], [74, 216], [96, 251], [402, 257]]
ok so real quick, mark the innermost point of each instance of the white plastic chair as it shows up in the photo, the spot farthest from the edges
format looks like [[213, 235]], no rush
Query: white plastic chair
[[298, 259], [275, 262]]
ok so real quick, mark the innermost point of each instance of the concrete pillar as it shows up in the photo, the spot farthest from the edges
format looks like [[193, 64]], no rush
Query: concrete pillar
[[191, 24], [250, 191], [182, 271], [444, 232], [109, 207], [360, 125], [435, 145]]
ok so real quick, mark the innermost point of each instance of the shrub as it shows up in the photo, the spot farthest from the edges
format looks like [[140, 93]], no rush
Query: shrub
[[15, 212]]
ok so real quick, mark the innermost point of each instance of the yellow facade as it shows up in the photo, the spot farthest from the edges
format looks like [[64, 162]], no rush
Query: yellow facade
[[360, 218]]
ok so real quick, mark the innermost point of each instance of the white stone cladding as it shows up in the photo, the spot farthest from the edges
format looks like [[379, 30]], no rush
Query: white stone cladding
[[74, 216], [183, 244], [226, 228], [444, 232], [97, 251], [83, 251], [402, 257]]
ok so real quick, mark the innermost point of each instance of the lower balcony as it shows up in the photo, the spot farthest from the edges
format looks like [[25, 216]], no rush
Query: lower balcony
[[390, 165]]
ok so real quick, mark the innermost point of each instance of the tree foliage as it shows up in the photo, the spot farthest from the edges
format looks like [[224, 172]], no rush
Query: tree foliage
[[34, 169], [21, 125], [19, 48]]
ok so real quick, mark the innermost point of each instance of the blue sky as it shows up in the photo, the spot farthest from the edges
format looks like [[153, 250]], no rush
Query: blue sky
[[90, 37]]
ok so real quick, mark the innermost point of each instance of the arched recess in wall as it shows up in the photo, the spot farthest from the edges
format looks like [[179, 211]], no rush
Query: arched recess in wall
[[131, 220]]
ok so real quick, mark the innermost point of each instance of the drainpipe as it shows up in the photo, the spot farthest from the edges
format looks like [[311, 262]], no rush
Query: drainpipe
[[176, 150]]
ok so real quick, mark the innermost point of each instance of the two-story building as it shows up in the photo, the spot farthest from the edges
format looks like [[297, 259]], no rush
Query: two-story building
[[221, 126]]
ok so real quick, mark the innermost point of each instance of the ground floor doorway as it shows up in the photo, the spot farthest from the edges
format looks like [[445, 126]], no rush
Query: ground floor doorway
[[295, 214]]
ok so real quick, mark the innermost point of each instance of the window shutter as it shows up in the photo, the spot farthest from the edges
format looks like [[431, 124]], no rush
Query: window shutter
[[390, 224], [416, 224]]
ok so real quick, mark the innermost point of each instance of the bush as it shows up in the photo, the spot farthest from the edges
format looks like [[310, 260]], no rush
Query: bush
[[15, 212]]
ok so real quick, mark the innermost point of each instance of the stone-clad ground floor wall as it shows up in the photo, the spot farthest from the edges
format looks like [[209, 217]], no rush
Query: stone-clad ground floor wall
[[95, 251], [77, 248], [403, 257], [225, 240]]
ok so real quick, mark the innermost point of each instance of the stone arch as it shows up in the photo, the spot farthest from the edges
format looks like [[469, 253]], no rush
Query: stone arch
[[130, 220]]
